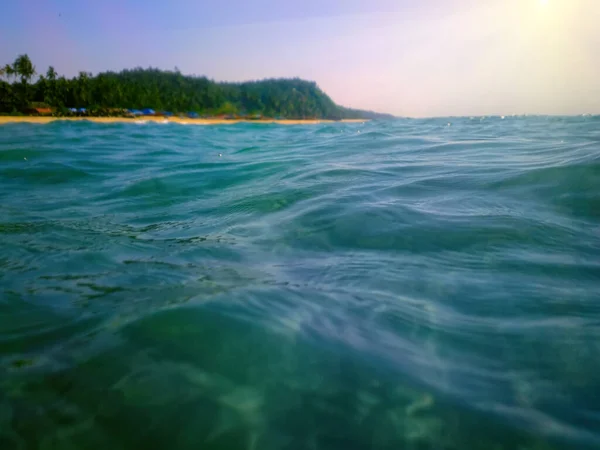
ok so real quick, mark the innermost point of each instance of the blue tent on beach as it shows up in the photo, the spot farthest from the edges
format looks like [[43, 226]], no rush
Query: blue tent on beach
[[193, 115], [148, 112]]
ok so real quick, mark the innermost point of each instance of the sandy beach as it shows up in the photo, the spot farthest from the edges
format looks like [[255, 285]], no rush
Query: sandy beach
[[41, 120]]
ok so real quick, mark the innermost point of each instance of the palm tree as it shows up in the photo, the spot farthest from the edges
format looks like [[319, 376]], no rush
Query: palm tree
[[51, 73], [50, 91], [23, 68], [7, 71]]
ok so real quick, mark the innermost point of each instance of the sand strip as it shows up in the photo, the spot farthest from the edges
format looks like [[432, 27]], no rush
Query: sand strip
[[36, 119]]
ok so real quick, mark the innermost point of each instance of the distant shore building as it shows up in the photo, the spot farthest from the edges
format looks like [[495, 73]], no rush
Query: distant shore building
[[41, 111]]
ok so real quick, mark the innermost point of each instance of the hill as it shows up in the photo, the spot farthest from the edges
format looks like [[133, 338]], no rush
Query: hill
[[170, 91]]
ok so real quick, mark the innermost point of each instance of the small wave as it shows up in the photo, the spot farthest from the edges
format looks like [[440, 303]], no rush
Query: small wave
[[427, 286]]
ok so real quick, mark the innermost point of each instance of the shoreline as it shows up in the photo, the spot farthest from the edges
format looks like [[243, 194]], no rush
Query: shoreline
[[164, 120]]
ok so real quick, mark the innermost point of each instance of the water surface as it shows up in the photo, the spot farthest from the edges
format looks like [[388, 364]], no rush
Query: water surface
[[411, 284]]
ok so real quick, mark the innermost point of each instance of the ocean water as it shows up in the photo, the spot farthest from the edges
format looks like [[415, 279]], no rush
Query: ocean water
[[409, 284]]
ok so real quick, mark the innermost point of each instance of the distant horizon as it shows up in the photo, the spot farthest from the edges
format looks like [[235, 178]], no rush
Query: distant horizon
[[449, 58], [499, 115]]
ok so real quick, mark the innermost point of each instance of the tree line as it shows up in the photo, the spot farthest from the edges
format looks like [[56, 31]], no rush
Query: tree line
[[164, 90]]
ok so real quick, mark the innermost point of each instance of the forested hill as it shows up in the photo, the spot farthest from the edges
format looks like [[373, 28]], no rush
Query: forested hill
[[170, 91]]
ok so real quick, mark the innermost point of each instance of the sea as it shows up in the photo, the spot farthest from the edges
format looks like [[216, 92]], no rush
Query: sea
[[403, 284]]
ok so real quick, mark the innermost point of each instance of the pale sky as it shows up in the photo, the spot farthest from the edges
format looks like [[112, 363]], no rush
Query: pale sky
[[406, 57]]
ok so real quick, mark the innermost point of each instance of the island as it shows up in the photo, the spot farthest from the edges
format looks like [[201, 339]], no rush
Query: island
[[162, 95]]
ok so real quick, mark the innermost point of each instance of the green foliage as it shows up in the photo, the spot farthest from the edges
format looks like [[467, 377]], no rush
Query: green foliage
[[227, 108], [7, 72], [16, 96], [8, 100], [168, 90], [24, 68]]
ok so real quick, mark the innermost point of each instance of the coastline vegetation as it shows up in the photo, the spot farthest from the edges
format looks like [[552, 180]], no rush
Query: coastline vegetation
[[159, 92]]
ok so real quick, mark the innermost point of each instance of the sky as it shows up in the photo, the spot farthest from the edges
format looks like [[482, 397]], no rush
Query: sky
[[413, 58]]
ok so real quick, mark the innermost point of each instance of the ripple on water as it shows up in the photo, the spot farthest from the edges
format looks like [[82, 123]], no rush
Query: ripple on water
[[414, 285]]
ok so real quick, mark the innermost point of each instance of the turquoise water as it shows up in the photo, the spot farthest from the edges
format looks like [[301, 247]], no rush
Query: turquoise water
[[412, 284]]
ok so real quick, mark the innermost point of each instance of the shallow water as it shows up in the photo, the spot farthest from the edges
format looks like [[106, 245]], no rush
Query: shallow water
[[411, 284]]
